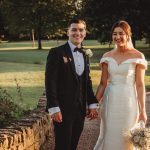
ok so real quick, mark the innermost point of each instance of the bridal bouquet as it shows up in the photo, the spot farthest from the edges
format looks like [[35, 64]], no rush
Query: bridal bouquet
[[139, 136]]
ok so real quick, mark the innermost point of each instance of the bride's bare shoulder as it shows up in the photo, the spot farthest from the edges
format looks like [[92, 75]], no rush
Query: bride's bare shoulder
[[138, 54], [108, 54]]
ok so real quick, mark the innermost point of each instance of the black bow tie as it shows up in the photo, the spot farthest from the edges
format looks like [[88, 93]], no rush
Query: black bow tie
[[78, 49]]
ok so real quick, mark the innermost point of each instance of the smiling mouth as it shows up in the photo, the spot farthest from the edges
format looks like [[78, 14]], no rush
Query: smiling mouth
[[77, 38], [118, 41]]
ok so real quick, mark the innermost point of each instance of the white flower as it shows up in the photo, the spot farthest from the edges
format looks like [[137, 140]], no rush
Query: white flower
[[88, 52]]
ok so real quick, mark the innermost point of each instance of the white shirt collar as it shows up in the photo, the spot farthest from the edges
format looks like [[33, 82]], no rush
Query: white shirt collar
[[72, 46]]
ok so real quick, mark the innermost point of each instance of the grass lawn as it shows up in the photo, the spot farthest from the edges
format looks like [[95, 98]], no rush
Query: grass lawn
[[25, 64], [30, 77]]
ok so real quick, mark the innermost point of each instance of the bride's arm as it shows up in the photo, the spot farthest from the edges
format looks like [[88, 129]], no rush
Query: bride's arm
[[103, 82], [140, 86]]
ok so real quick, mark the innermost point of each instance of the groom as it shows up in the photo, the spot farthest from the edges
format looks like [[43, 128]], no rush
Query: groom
[[69, 88]]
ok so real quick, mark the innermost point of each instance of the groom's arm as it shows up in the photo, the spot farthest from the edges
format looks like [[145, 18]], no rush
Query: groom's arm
[[93, 104], [51, 83], [51, 77], [91, 98]]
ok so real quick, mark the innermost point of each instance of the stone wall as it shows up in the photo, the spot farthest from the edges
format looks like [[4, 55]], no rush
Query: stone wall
[[29, 133]]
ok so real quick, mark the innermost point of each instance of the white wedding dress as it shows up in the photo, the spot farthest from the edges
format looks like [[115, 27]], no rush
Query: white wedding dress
[[119, 105]]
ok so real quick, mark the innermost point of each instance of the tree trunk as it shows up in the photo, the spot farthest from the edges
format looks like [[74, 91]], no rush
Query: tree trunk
[[33, 38], [39, 31], [39, 40], [57, 40]]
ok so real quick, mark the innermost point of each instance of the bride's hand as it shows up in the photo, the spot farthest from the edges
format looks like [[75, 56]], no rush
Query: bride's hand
[[143, 116]]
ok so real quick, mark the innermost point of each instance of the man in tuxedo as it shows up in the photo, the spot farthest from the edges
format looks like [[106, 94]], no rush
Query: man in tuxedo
[[69, 88]]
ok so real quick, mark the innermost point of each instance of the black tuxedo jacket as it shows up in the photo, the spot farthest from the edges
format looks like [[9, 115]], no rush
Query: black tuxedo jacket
[[61, 82]]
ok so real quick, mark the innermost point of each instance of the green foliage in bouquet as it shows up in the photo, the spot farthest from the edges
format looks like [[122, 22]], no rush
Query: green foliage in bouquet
[[9, 111]]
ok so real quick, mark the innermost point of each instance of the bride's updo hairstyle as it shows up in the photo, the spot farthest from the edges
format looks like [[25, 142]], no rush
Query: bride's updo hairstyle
[[124, 25]]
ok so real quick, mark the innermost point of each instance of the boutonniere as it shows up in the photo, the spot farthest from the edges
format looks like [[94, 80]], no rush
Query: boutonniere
[[88, 52], [66, 59], [70, 59]]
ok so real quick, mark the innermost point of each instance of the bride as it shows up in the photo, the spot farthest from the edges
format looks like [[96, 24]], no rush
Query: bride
[[121, 91]]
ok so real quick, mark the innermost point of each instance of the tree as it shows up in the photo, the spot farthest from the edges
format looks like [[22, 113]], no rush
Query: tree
[[144, 9], [43, 16], [101, 15], [2, 26]]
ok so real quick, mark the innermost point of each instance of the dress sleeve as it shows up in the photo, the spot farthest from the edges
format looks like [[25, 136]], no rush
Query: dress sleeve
[[142, 62], [104, 60]]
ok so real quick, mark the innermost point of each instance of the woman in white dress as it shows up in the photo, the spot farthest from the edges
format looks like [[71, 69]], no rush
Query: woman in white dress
[[121, 91]]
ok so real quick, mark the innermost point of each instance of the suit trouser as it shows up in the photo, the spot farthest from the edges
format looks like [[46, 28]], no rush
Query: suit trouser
[[67, 133]]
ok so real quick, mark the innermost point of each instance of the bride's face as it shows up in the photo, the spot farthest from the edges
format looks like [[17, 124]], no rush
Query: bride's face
[[119, 37]]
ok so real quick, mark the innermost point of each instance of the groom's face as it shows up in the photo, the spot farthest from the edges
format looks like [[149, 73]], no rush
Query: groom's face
[[76, 33]]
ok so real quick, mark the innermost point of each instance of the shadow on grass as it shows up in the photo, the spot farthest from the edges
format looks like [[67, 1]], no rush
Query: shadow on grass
[[37, 59], [8, 67]]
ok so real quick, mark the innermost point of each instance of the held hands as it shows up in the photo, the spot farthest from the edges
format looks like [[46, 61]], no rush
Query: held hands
[[92, 113], [57, 117]]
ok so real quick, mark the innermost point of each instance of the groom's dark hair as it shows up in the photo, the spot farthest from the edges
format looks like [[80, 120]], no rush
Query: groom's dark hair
[[77, 20]]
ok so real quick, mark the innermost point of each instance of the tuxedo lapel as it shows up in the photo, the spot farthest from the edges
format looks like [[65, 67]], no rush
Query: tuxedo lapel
[[85, 61], [70, 58], [85, 65]]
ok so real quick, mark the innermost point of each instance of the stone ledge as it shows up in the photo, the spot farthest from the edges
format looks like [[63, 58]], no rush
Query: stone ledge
[[28, 133]]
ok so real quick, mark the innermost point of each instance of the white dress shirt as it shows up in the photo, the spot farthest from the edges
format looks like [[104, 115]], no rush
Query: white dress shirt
[[79, 66], [78, 59]]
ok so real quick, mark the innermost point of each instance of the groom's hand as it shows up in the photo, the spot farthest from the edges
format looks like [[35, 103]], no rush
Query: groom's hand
[[57, 117], [92, 113]]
